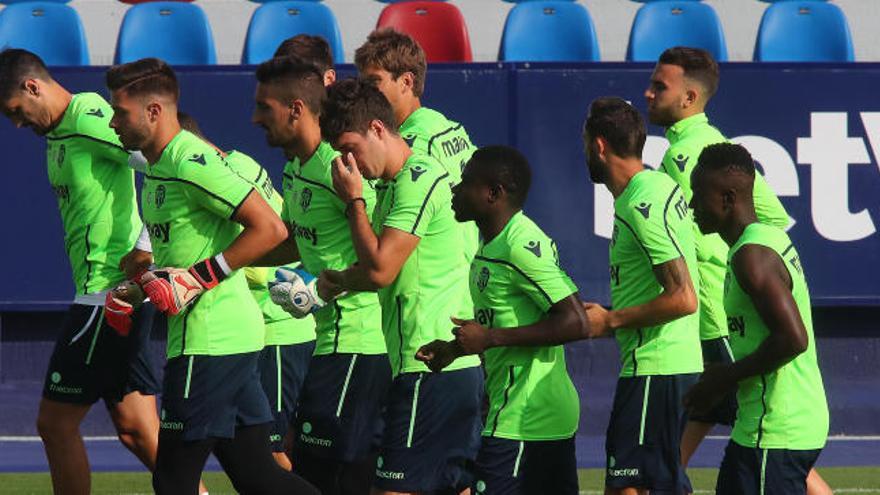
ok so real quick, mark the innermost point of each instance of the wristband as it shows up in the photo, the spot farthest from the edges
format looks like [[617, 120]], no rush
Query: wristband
[[350, 205], [211, 271]]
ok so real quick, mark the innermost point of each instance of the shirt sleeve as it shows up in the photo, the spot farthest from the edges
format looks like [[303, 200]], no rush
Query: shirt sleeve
[[650, 222], [418, 194], [215, 186], [538, 275]]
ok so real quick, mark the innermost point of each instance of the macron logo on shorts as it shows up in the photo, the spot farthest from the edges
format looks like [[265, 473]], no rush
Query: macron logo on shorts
[[388, 475]]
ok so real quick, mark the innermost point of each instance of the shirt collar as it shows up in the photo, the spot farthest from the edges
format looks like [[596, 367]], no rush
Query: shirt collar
[[677, 129]]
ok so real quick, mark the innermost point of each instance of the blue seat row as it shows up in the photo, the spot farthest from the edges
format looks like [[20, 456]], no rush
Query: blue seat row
[[535, 30]]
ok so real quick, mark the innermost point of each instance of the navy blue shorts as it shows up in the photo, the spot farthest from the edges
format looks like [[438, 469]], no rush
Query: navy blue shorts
[[717, 351], [432, 431], [643, 442], [339, 414], [91, 361], [282, 371], [754, 471], [210, 396], [515, 467]]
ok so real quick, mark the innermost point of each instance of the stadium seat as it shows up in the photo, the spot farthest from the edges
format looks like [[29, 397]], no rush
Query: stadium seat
[[10, 2], [176, 32], [549, 31], [51, 30], [662, 24], [276, 21], [438, 27], [145, 1], [804, 31]]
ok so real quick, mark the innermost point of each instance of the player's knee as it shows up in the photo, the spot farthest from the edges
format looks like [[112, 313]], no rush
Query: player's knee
[[53, 427]]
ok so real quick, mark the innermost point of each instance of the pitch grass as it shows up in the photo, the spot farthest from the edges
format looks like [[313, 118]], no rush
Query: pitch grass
[[844, 480]]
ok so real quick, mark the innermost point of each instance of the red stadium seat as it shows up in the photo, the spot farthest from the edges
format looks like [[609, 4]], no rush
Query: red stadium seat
[[438, 26]]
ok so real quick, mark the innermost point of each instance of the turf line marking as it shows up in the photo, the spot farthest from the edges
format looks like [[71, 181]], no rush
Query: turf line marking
[[37, 439], [831, 438]]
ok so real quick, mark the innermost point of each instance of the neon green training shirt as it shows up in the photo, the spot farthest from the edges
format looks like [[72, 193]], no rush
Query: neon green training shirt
[[429, 132], [687, 138], [89, 173], [515, 278], [316, 216], [653, 225], [785, 409], [188, 198], [432, 285], [281, 327]]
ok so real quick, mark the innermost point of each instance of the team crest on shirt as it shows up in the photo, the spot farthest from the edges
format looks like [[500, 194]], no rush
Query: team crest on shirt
[[534, 247], [305, 199], [160, 196], [483, 278], [680, 162], [644, 209]]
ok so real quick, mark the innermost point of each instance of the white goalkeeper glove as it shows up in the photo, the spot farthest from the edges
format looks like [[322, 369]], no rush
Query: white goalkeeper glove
[[296, 291]]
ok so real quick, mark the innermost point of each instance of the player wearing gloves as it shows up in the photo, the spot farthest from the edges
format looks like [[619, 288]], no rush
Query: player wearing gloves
[[86, 167], [338, 412], [195, 206]]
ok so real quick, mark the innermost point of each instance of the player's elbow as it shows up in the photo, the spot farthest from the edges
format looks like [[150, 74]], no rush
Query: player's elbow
[[379, 278], [798, 344], [684, 302], [276, 231]]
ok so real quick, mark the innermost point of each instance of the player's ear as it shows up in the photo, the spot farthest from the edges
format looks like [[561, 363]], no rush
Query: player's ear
[[408, 80], [378, 127], [601, 146], [329, 77], [690, 96], [496, 192], [31, 87], [296, 109], [153, 110]]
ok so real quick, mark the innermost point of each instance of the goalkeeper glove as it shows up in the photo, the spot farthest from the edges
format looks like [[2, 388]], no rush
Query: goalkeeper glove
[[173, 289], [295, 290], [119, 305]]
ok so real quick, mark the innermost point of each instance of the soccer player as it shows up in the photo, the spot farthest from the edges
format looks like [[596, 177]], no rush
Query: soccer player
[[413, 255], [782, 420], [349, 376], [395, 63], [654, 317], [289, 342], [193, 204], [88, 171], [683, 82], [526, 307], [311, 49]]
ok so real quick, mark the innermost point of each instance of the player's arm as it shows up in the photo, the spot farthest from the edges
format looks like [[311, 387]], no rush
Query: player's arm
[[763, 276], [139, 258], [677, 299], [282, 254], [564, 322], [263, 231]]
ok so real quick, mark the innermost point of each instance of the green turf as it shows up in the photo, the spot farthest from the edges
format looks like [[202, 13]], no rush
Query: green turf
[[855, 480]]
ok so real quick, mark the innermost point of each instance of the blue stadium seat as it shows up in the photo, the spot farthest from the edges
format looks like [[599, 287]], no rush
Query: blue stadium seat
[[804, 31], [663, 24], [51, 30], [276, 21], [176, 32], [549, 31]]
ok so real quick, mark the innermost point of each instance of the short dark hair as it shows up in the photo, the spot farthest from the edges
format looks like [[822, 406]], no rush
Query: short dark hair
[[396, 53], [17, 66], [725, 157], [504, 166], [351, 105], [619, 123], [310, 48], [190, 124], [298, 79], [697, 64], [143, 77]]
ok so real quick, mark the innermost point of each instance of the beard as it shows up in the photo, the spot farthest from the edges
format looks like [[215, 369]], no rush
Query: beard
[[598, 172], [661, 116]]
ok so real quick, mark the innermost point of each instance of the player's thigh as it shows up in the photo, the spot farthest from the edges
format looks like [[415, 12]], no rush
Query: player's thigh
[[136, 412], [60, 418], [338, 416], [431, 432], [210, 396]]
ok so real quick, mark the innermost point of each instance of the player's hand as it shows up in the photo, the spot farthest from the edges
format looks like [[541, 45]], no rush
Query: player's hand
[[598, 318], [714, 385], [120, 304], [135, 263], [472, 337], [295, 291], [439, 354], [330, 284], [347, 179]]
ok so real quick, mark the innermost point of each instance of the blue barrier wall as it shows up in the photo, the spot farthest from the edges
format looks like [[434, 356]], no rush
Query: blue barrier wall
[[814, 129]]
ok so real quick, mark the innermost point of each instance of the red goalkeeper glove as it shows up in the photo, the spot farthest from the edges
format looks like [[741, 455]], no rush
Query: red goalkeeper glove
[[119, 305], [173, 289]]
